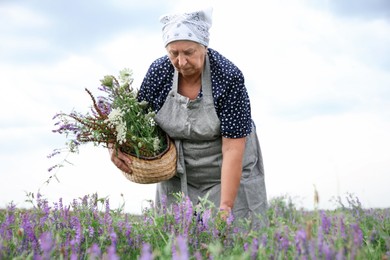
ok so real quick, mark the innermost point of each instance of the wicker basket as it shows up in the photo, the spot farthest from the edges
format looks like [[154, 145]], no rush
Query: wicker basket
[[154, 169]]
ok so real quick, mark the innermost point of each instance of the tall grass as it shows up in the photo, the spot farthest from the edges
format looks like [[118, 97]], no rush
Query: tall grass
[[88, 228]]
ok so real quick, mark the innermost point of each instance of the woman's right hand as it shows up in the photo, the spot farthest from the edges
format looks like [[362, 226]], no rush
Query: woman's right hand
[[121, 161]]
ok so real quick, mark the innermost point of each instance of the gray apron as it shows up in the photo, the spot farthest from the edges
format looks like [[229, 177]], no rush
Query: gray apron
[[195, 127]]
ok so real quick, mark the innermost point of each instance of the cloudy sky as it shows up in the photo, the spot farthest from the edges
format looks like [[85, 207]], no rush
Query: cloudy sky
[[318, 74]]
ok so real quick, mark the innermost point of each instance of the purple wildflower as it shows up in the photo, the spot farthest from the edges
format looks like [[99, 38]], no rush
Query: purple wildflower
[[300, 241], [327, 252], [91, 231], [312, 250], [5, 231], [246, 246], [206, 216], [255, 248], [146, 253], [340, 255], [180, 249], [94, 252], [47, 244], [357, 235], [76, 225], [107, 216], [111, 253], [176, 213], [230, 219], [342, 229], [325, 222], [114, 238], [104, 105], [28, 228]]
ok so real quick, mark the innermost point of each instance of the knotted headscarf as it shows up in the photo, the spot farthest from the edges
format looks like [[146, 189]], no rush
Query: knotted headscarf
[[193, 26]]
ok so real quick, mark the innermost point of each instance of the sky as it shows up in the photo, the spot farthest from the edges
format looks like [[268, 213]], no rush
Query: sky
[[317, 72]]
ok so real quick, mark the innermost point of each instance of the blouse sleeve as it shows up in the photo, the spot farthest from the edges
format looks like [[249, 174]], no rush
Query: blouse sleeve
[[235, 110], [157, 83], [230, 97]]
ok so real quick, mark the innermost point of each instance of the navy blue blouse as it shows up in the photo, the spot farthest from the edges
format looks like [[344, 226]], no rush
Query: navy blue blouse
[[231, 98]]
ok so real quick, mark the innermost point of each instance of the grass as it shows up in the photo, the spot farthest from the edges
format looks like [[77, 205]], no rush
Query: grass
[[88, 228]]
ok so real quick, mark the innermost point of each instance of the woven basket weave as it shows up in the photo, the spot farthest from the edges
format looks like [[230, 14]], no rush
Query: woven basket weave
[[155, 169]]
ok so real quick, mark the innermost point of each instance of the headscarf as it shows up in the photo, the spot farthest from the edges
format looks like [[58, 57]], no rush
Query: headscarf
[[192, 26]]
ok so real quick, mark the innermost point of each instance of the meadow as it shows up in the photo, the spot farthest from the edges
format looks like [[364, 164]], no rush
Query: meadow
[[88, 228]]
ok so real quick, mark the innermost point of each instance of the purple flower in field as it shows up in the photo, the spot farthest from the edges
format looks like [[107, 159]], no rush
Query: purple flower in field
[[246, 246], [312, 250], [73, 256], [327, 252], [301, 241], [183, 214], [5, 231], [340, 255], [28, 228], [164, 204], [107, 215], [283, 242], [176, 213], [206, 216], [114, 238], [254, 248], [94, 252], [357, 235], [91, 231], [76, 225], [325, 222], [189, 210], [343, 234], [230, 219], [146, 253], [320, 237], [180, 249], [47, 244], [111, 253]]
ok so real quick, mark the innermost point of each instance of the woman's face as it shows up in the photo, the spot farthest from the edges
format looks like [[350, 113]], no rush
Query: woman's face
[[187, 57]]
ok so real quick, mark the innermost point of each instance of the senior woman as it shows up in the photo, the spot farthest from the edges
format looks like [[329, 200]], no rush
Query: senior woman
[[201, 102]]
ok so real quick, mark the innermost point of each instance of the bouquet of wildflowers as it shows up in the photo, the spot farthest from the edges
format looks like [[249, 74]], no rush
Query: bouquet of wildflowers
[[116, 118]]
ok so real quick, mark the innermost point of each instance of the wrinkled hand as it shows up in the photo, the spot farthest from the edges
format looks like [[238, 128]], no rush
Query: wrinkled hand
[[121, 161]]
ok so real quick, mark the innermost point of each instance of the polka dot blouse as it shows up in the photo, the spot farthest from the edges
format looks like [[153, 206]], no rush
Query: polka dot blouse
[[230, 96]]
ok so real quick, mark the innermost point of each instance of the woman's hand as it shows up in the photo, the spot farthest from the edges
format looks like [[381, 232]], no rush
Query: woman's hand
[[224, 212], [121, 161]]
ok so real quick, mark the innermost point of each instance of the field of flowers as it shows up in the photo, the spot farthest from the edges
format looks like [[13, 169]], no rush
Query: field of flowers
[[89, 229]]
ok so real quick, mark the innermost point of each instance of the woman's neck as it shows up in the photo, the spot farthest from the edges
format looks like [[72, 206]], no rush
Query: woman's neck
[[190, 86]]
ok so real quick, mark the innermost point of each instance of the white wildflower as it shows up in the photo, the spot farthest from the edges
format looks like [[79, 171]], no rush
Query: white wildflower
[[125, 76], [156, 144], [115, 119]]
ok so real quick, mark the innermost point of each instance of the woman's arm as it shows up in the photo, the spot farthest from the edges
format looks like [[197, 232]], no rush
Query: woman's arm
[[232, 157]]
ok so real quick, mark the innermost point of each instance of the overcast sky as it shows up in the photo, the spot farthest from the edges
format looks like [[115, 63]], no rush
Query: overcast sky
[[317, 73]]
